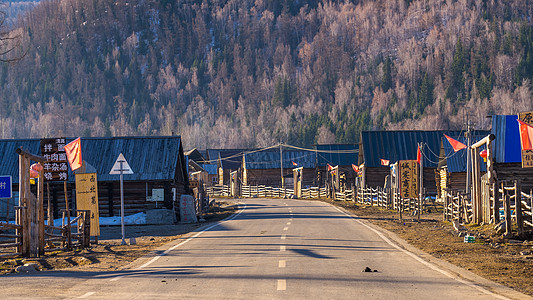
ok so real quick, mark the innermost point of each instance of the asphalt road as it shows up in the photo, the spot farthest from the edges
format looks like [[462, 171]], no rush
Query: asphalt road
[[271, 249]]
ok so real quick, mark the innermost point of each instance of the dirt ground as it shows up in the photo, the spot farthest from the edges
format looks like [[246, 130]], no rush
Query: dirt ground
[[508, 262]]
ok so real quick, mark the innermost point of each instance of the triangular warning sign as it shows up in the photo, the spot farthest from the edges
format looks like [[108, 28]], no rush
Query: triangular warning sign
[[121, 163]]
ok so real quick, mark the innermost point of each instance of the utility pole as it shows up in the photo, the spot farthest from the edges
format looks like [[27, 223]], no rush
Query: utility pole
[[281, 162], [421, 180], [469, 127]]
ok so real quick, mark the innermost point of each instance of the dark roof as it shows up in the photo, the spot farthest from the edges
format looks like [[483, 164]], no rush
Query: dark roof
[[401, 145], [456, 161], [270, 159], [507, 142], [9, 160], [195, 155], [346, 156], [211, 169], [150, 158], [230, 159]]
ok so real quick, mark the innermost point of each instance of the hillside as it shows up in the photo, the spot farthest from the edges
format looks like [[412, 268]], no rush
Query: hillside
[[243, 73]]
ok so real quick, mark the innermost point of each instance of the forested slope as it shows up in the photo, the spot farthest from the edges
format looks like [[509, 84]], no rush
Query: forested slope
[[243, 73]]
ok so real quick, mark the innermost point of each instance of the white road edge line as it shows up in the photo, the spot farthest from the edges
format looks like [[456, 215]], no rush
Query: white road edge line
[[189, 239], [422, 261], [116, 278], [282, 285], [86, 295]]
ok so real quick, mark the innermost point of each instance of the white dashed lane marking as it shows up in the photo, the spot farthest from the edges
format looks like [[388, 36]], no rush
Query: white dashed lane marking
[[286, 228], [282, 285], [283, 236], [282, 264], [282, 248]]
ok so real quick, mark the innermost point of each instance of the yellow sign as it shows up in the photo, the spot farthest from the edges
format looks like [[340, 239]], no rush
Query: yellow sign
[[87, 198], [527, 155], [408, 171]]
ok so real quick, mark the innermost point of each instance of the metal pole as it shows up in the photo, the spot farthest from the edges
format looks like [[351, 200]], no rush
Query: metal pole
[[122, 205], [468, 156], [281, 163]]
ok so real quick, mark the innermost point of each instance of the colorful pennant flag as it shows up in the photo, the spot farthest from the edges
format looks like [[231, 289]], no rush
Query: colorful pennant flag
[[355, 168], [294, 164], [73, 151], [418, 155], [330, 167], [526, 136], [385, 162], [456, 145]]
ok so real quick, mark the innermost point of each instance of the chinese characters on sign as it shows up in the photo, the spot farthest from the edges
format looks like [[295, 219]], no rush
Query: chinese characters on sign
[[56, 166], [527, 155], [408, 171], [5, 186], [87, 198]]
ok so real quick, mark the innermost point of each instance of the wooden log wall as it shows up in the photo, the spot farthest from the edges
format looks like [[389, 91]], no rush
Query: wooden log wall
[[109, 197], [514, 171]]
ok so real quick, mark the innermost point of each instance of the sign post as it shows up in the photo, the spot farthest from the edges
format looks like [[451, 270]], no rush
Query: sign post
[[121, 167], [6, 190]]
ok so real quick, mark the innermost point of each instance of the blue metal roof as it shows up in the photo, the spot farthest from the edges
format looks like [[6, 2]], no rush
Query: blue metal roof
[[507, 142], [329, 156], [270, 159], [401, 145], [456, 161], [150, 158], [9, 160], [211, 169]]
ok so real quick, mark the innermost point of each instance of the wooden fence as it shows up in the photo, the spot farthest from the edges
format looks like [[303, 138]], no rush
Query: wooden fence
[[378, 196], [504, 196], [70, 235]]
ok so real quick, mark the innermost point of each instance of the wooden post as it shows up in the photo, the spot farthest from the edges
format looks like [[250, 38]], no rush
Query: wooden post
[[49, 208], [507, 209], [421, 182], [496, 203], [40, 216], [518, 208], [69, 235]]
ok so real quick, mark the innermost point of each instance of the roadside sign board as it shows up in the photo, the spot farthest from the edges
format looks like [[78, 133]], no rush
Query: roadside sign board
[[408, 171], [56, 167], [87, 198], [527, 155], [6, 186], [121, 162]]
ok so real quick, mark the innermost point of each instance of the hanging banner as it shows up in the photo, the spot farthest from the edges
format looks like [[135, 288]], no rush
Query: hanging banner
[[87, 198], [527, 155], [408, 172]]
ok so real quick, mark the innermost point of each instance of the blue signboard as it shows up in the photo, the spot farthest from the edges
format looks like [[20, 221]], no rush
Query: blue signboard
[[5, 187]]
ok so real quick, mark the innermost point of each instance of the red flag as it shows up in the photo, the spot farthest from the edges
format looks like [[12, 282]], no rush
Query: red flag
[[385, 162], [330, 167], [294, 164], [418, 155], [73, 151], [355, 168], [456, 145], [526, 136]]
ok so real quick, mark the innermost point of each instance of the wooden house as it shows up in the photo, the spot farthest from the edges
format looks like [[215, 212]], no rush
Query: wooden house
[[507, 152], [452, 165], [227, 160], [264, 167], [398, 145], [158, 164], [341, 155]]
